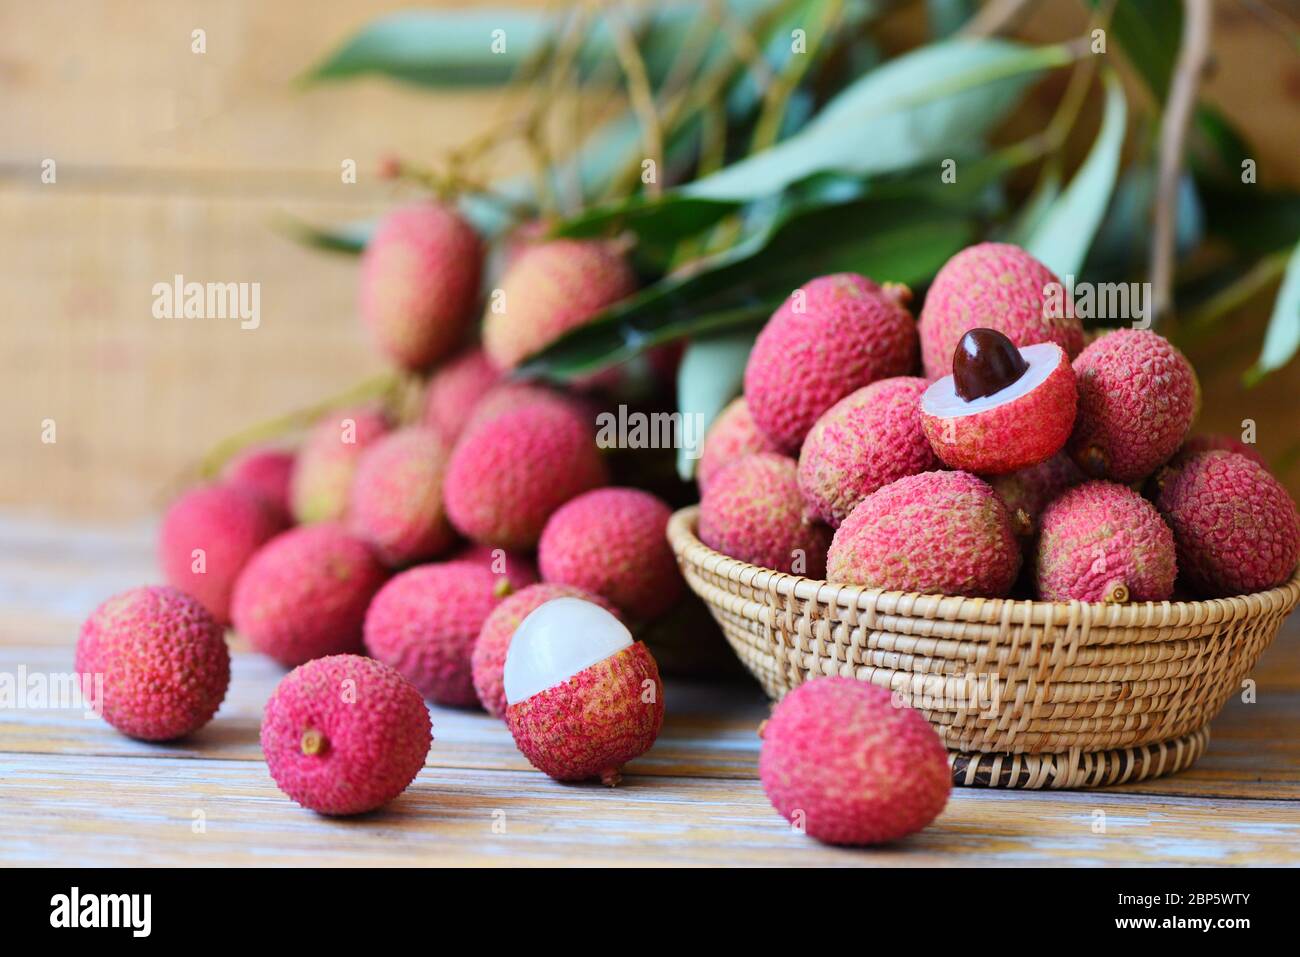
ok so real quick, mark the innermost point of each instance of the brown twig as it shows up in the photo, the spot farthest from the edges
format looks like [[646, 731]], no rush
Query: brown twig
[[994, 17], [1193, 54]]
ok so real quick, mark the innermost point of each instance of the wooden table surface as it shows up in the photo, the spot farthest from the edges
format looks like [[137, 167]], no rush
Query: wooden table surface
[[73, 791]]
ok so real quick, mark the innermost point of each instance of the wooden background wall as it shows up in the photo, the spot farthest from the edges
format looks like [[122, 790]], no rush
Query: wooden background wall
[[171, 162]]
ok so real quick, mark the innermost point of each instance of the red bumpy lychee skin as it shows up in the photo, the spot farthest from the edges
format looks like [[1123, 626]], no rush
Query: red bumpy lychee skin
[[1028, 491], [843, 763], [996, 435], [595, 722], [345, 734], [995, 286], [549, 289], [489, 657], [207, 537], [1234, 524], [424, 623], [613, 542], [396, 499], [1214, 442], [833, 336], [507, 475], [514, 571], [420, 283], [267, 471], [866, 440], [304, 594], [752, 511], [163, 661], [323, 471], [1138, 396], [943, 533], [732, 436], [454, 390], [1103, 542]]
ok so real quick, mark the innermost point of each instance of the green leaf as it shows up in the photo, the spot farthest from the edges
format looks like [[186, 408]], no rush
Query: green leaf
[[347, 238], [1250, 218], [923, 105], [1149, 32], [1062, 239], [946, 16], [1282, 339], [709, 376]]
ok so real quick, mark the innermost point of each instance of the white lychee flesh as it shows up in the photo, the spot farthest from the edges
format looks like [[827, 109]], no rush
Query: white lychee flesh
[[942, 400], [556, 641]]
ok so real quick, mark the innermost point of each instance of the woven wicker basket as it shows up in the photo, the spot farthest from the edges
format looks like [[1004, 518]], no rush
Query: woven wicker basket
[[1025, 694]]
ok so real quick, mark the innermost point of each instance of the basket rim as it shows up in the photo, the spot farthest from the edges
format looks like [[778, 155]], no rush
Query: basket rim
[[688, 548]]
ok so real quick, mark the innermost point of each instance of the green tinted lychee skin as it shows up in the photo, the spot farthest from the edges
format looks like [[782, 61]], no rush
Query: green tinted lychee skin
[[323, 471], [834, 335], [752, 511], [944, 533], [396, 498], [993, 286], [842, 762], [866, 440], [732, 435], [1138, 396], [1103, 542], [1234, 524], [420, 284]]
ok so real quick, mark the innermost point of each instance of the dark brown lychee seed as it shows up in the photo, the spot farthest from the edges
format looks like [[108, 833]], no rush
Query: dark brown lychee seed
[[985, 362]]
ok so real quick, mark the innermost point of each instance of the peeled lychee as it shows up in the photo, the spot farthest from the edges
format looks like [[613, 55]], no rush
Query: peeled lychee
[[323, 471], [1234, 524], [582, 698], [154, 663], [396, 499], [514, 571], [420, 283], [1027, 491], [844, 764], [548, 289], [1019, 417], [267, 471], [1101, 541], [304, 594], [943, 533], [866, 440], [508, 474], [996, 286], [732, 435], [752, 511], [833, 335], [208, 535], [613, 542], [345, 734], [1138, 396], [424, 623], [489, 657], [454, 390], [1217, 442]]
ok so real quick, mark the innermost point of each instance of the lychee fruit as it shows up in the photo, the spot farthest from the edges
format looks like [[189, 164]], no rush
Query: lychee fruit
[[1138, 396], [154, 663], [866, 440], [323, 470], [514, 571], [549, 289], [995, 286], [1218, 442], [508, 474], [833, 335], [208, 535], [1234, 525], [1027, 491], [396, 499], [420, 283], [304, 594], [1103, 542], [454, 390], [753, 512], [841, 762], [1003, 408], [267, 471], [509, 396], [582, 698], [732, 435], [424, 623], [345, 734], [489, 656], [944, 533], [613, 542]]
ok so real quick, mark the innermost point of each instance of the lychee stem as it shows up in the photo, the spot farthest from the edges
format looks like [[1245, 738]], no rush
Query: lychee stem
[[503, 588], [313, 742], [1116, 593], [611, 777], [1094, 461]]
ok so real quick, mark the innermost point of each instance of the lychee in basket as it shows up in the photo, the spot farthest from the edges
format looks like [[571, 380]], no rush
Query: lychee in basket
[[1025, 694]]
